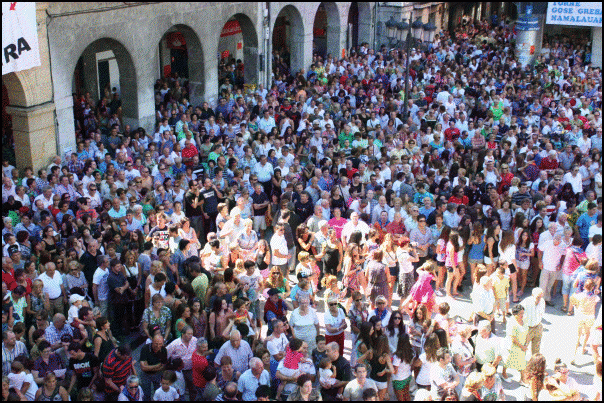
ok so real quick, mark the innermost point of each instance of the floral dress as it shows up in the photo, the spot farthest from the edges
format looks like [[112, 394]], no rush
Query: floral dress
[[165, 315], [377, 279], [516, 358], [247, 244], [351, 281]]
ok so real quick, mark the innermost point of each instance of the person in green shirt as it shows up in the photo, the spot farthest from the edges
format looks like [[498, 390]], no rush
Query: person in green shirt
[[346, 135], [200, 283]]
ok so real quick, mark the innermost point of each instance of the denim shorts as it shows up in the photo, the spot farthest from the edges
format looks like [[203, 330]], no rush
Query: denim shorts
[[567, 284]]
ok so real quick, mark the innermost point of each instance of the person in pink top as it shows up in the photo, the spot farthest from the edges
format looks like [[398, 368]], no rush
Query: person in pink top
[[422, 291], [574, 257], [337, 222]]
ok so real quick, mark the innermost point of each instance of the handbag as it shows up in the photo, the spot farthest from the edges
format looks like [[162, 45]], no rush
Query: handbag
[[268, 217]]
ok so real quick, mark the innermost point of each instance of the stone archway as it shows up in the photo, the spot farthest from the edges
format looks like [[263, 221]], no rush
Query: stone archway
[[105, 68], [180, 52], [288, 39], [239, 38], [326, 30]]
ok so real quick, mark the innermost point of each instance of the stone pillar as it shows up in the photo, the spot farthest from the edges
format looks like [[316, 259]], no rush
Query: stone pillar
[[211, 79], [529, 38], [334, 40], [65, 124], [250, 72], [596, 46], [34, 134], [301, 52]]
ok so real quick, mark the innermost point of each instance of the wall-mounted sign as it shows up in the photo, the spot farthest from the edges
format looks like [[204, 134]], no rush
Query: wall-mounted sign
[[20, 50], [583, 13]]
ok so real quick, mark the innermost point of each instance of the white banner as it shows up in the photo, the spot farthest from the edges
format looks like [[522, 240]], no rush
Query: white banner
[[582, 14], [20, 50]]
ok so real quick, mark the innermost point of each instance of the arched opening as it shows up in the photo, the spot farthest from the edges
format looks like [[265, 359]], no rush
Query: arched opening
[[288, 42], [11, 91], [326, 30], [238, 49], [104, 80], [359, 23], [181, 66]]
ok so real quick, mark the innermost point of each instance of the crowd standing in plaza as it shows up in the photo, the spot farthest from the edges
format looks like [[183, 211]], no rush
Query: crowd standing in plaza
[[245, 242]]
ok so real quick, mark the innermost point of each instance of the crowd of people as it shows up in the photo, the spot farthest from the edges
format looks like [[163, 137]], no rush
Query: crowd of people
[[244, 244]]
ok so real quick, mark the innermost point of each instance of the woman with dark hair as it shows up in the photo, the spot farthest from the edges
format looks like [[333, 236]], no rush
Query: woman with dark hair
[[452, 263], [491, 249], [507, 259], [377, 276], [525, 250], [535, 376], [402, 364], [381, 366], [395, 329]]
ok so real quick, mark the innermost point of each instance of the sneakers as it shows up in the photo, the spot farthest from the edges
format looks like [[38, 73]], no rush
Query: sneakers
[[548, 303]]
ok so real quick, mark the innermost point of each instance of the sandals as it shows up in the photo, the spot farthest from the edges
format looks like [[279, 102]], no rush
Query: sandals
[[564, 309]]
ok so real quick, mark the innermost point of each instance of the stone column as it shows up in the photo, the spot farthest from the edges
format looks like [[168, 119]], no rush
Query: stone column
[[211, 78], [334, 39], [250, 72], [529, 38], [596, 46], [34, 134]]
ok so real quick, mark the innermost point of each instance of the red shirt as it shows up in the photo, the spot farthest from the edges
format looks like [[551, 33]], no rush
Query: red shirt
[[199, 364], [548, 163], [351, 173], [189, 152], [9, 279], [463, 200], [452, 134]]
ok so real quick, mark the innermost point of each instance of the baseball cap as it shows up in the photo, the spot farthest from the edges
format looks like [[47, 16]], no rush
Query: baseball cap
[[74, 298]]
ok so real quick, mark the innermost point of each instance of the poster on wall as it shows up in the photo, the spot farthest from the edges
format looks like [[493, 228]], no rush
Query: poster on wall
[[583, 13], [20, 50]]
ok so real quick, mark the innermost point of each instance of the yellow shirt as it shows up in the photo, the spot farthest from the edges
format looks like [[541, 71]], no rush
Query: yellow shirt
[[501, 286]]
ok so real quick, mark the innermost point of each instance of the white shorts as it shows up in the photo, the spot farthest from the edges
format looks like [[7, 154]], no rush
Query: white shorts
[[487, 260], [381, 385], [259, 223]]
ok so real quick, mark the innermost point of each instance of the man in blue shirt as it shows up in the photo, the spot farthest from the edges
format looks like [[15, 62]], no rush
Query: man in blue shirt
[[585, 221]]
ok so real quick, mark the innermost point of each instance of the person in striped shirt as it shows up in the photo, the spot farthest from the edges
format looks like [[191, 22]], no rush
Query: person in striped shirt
[[117, 367]]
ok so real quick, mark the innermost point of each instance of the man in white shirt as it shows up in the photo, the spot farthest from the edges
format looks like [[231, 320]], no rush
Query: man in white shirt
[[534, 308], [277, 342], [355, 224], [266, 123], [355, 388], [53, 288], [279, 249], [550, 254], [575, 179]]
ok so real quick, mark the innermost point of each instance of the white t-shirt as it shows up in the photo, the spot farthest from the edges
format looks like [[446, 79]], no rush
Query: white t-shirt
[[169, 396], [17, 380], [279, 243], [336, 321], [325, 376], [423, 378], [277, 345], [403, 371]]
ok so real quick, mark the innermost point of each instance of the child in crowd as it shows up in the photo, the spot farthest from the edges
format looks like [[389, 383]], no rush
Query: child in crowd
[[327, 372], [501, 289], [292, 360], [166, 392], [320, 351]]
